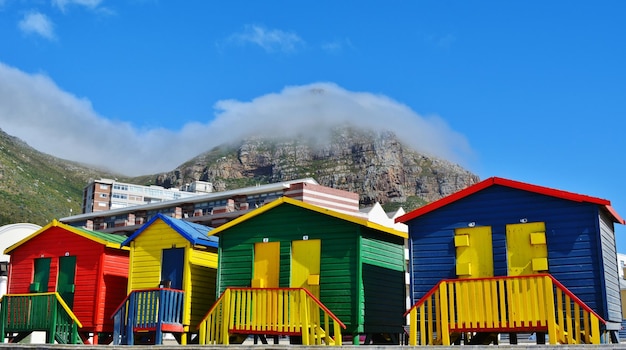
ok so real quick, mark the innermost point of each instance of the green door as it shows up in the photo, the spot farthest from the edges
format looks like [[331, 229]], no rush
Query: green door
[[65, 282], [41, 276]]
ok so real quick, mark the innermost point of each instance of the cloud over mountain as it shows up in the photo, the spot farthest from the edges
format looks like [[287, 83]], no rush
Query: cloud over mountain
[[57, 122]]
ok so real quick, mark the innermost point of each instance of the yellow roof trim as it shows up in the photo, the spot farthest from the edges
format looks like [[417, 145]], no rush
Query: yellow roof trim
[[116, 246], [330, 212], [56, 223], [29, 237]]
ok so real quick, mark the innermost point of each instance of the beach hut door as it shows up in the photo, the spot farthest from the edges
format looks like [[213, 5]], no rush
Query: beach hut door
[[474, 252], [41, 275], [172, 263], [305, 265], [66, 279], [526, 247], [266, 265]]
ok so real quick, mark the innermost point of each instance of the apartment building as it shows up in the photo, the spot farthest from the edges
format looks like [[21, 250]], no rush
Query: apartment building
[[107, 194], [210, 209]]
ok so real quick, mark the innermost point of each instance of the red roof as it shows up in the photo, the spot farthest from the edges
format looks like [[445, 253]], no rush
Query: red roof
[[512, 184]]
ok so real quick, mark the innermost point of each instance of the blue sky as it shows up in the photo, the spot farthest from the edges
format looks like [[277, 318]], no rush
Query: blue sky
[[527, 90]]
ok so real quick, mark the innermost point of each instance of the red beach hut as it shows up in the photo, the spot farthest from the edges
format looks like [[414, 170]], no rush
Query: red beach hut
[[84, 273]]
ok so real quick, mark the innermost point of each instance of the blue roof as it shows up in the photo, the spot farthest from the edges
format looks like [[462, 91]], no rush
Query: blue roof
[[195, 233]]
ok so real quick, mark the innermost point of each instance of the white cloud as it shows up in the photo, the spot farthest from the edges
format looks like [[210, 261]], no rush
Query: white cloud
[[35, 109], [271, 40], [336, 45], [320, 106], [37, 23], [63, 4]]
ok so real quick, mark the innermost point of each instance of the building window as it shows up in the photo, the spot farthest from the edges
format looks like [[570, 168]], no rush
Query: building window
[[100, 204], [155, 193], [115, 205], [120, 187], [4, 268], [103, 195], [136, 189], [104, 186]]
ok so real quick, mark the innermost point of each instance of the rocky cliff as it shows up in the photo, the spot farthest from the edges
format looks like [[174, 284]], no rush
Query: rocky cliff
[[374, 164]]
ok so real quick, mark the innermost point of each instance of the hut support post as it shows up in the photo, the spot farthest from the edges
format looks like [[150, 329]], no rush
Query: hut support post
[[158, 336], [3, 317], [53, 324], [130, 324]]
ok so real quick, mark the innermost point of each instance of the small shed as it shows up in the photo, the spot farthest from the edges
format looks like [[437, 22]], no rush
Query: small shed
[[355, 267], [176, 255], [88, 269], [9, 235], [501, 227]]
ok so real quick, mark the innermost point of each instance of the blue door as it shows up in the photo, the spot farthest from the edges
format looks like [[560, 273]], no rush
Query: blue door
[[172, 263]]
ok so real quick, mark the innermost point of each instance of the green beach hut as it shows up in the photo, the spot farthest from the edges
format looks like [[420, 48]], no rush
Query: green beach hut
[[353, 267]]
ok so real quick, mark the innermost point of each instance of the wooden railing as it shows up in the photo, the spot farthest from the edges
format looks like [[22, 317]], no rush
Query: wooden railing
[[534, 303], [159, 310], [25, 313], [270, 311]]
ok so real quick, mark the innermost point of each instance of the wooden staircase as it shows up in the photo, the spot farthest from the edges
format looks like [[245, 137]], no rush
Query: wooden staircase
[[295, 312], [481, 306], [145, 315], [22, 314]]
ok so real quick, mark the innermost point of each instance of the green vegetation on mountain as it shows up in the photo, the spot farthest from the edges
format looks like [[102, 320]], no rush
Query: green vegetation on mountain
[[35, 187]]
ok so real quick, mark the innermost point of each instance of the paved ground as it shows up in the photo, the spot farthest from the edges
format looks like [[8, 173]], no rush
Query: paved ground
[[525, 341], [300, 347]]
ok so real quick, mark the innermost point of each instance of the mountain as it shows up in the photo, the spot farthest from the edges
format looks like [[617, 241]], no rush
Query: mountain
[[374, 164], [36, 187]]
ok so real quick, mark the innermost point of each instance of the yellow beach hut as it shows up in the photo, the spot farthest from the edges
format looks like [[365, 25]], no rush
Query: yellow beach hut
[[171, 281]]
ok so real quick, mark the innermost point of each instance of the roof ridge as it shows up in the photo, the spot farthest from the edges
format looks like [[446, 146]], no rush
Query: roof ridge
[[523, 186]]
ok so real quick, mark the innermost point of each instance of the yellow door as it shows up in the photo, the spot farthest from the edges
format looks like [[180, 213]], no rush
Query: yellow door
[[474, 252], [266, 265], [527, 251], [305, 265]]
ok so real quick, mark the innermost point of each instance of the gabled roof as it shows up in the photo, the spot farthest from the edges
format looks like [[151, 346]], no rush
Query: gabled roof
[[497, 181], [195, 233], [107, 239], [329, 212]]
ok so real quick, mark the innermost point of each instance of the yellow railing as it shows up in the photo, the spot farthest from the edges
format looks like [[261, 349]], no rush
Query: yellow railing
[[270, 311], [535, 303]]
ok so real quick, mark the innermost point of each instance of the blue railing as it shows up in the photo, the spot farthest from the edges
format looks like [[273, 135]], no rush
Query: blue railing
[[159, 310]]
